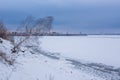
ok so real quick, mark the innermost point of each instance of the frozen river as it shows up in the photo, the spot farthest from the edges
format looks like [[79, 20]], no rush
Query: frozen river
[[100, 49]]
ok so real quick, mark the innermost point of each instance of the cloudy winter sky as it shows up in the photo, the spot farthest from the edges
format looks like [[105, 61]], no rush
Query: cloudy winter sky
[[70, 15]]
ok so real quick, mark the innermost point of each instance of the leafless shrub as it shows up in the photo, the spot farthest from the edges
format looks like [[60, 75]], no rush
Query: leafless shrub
[[31, 26], [1, 41], [4, 58], [3, 31]]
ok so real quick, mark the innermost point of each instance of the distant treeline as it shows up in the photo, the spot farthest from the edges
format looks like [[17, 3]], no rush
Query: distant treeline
[[45, 34], [55, 34]]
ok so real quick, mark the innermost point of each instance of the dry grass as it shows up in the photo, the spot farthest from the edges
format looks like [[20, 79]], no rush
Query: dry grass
[[5, 59]]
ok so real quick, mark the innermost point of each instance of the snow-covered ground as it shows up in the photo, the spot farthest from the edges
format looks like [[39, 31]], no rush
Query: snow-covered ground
[[95, 48], [33, 63]]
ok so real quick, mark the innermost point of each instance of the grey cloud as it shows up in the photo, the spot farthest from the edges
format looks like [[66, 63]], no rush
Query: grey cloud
[[58, 3], [69, 14]]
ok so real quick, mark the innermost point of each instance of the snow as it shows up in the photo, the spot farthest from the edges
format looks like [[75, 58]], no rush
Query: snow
[[37, 64], [37, 69], [5, 46], [100, 49]]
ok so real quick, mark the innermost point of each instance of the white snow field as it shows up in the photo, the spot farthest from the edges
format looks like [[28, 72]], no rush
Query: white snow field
[[101, 49], [33, 63]]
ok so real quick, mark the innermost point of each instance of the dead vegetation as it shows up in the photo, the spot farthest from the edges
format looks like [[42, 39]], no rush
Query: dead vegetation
[[3, 31], [30, 26], [5, 59]]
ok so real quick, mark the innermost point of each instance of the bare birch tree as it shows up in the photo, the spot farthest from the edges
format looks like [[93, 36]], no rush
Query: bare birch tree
[[31, 26]]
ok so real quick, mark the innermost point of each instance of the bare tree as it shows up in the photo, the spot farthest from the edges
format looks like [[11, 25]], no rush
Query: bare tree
[[31, 25], [26, 25], [3, 30], [44, 25]]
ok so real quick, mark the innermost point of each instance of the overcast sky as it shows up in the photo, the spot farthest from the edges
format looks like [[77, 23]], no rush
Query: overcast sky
[[69, 15]]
